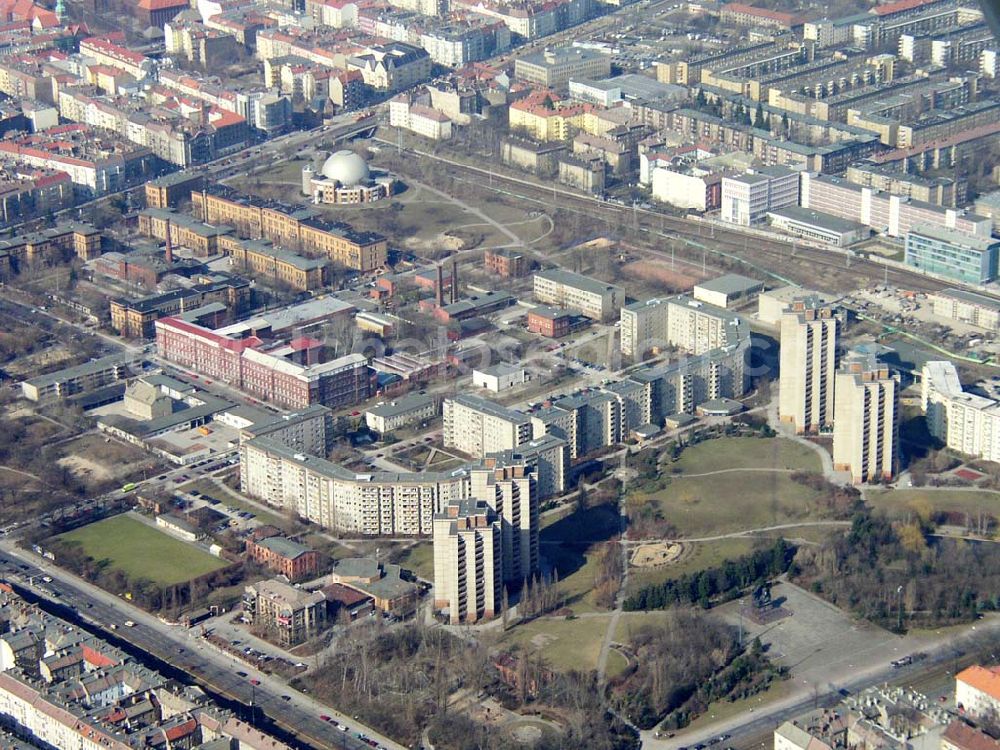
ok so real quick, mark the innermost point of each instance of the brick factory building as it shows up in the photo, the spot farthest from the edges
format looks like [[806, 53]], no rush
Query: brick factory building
[[284, 556], [268, 373]]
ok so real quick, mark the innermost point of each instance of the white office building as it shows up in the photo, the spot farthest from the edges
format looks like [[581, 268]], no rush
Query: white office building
[[746, 199]]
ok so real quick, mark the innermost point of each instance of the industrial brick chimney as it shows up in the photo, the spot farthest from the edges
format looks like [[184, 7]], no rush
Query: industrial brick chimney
[[439, 289], [454, 280]]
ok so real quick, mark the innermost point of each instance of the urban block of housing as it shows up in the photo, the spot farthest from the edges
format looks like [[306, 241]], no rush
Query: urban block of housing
[[63, 688], [893, 718]]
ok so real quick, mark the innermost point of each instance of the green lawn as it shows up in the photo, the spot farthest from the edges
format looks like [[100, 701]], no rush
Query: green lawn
[[922, 501], [564, 644], [736, 501], [744, 452], [570, 544], [141, 551], [420, 559], [576, 564]]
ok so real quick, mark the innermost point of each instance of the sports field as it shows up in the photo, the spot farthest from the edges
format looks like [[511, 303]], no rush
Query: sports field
[[140, 551]]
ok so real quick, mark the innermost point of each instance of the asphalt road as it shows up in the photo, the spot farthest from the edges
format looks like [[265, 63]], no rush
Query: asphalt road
[[187, 657], [932, 676]]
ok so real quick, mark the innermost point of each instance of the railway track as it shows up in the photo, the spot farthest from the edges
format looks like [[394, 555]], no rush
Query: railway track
[[782, 261]]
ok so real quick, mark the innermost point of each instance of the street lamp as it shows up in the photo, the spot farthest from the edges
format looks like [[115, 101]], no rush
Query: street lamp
[[899, 599]]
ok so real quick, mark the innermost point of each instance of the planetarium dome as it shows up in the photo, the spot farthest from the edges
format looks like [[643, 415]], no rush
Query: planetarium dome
[[346, 167]]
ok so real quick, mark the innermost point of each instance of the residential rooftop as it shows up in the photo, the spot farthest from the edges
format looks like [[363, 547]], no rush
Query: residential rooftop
[[577, 281]]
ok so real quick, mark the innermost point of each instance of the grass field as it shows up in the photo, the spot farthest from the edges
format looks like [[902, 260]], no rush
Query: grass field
[[576, 565], [420, 559], [570, 544], [746, 452], [735, 500], [923, 501], [725, 503], [141, 551], [565, 644]]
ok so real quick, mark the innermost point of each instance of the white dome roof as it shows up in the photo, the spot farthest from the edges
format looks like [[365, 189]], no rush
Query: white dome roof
[[346, 167]]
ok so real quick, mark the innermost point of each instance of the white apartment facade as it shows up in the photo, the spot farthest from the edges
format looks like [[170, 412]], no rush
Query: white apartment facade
[[468, 562], [477, 427], [895, 215], [682, 189], [697, 327], [807, 367], [968, 307], [509, 489], [595, 299], [386, 417], [419, 119], [644, 327], [977, 691], [375, 504], [965, 422], [866, 419]]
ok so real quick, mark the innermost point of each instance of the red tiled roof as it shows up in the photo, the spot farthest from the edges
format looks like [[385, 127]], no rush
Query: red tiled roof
[[899, 6], [113, 50], [236, 345], [181, 730], [304, 342], [788, 18], [161, 4], [962, 736], [345, 595], [983, 679], [97, 658]]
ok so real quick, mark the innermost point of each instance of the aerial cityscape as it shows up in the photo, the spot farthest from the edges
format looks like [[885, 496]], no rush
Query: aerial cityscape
[[499, 375]]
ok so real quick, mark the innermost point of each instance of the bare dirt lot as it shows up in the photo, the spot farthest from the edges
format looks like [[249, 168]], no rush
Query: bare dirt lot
[[653, 555], [85, 468], [40, 361], [96, 458], [653, 272]]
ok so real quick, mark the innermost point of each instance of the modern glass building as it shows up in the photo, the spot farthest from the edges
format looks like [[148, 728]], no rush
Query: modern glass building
[[956, 255]]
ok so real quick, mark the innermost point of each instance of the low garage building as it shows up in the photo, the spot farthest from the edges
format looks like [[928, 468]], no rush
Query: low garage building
[[727, 289]]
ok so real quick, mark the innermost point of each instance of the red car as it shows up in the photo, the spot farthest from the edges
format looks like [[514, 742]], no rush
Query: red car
[[324, 717]]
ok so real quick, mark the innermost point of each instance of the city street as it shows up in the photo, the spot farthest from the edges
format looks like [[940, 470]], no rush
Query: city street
[[181, 648]]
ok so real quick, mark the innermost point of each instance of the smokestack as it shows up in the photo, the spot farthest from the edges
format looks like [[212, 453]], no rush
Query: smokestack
[[170, 247], [439, 292], [454, 280], [204, 205]]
